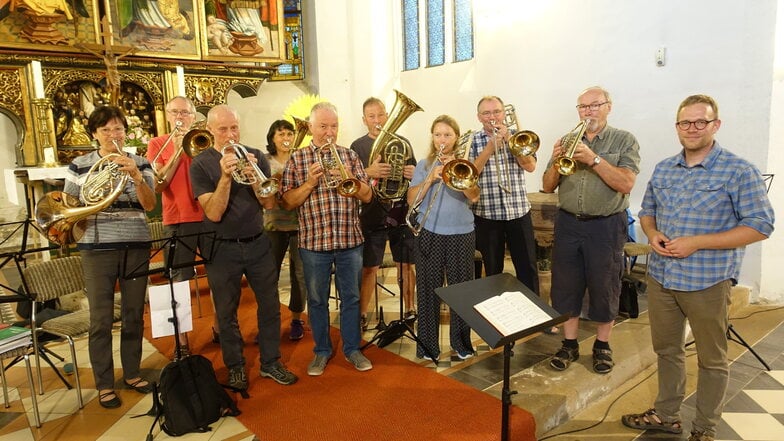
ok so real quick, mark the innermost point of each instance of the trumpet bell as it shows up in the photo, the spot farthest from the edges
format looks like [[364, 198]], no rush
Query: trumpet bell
[[566, 166], [196, 141], [460, 174], [348, 187], [524, 143]]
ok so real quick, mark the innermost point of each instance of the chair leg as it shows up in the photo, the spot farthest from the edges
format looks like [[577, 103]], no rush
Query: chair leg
[[33, 398], [5, 387], [76, 372]]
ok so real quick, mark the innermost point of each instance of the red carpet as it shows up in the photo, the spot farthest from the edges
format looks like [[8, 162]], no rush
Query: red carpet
[[397, 400]]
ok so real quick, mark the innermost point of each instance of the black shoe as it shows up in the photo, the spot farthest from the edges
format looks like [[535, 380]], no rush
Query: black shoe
[[109, 404], [564, 357], [602, 361], [138, 386], [237, 378]]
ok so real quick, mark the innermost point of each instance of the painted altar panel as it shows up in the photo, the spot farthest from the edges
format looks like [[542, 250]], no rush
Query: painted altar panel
[[48, 25], [250, 31]]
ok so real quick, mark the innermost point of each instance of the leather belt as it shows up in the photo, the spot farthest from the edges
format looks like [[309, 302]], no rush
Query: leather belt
[[587, 217], [242, 239], [125, 204]]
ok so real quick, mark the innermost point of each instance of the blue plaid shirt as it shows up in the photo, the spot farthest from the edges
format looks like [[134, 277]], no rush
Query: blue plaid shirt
[[722, 192], [494, 203]]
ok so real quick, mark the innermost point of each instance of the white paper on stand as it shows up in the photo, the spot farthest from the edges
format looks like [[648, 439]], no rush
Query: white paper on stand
[[161, 310]]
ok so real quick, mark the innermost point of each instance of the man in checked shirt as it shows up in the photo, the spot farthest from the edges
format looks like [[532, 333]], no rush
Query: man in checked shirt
[[329, 234], [701, 208]]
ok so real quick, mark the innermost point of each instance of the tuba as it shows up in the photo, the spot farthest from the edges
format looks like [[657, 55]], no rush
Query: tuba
[[58, 213], [197, 140], [458, 174], [267, 186], [565, 163], [301, 130], [394, 150], [335, 175]]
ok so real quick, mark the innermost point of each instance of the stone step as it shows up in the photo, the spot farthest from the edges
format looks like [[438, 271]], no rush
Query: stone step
[[555, 397]]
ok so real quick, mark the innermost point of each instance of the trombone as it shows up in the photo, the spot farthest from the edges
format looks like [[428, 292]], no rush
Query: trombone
[[458, 174], [267, 186], [521, 143], [566, 165], [335, 175], [155, 170]]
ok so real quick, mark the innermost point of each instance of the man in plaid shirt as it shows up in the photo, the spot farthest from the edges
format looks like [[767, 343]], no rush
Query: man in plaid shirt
[[701, 208], [329, 234]]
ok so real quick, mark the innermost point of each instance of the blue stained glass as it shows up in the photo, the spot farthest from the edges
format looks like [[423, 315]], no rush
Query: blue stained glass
[[464, 30], [411, 33], [435, 32]]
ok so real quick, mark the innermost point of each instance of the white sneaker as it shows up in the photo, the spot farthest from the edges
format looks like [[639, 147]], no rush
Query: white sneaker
[[359, 361]]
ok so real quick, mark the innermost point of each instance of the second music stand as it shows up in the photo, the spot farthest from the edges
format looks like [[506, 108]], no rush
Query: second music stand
[[202, 254], [462, 297]]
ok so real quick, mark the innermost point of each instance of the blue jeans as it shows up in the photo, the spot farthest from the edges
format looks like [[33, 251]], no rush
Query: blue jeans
[[318, 271]]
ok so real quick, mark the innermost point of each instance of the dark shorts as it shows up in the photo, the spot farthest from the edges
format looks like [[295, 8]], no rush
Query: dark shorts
[[401, 243], [588, 255]]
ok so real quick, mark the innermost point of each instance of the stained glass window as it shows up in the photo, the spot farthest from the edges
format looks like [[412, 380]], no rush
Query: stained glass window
[[435, 32], [411, 33], [464, 30]]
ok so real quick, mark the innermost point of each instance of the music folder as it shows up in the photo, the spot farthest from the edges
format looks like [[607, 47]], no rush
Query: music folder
[[464, 297]]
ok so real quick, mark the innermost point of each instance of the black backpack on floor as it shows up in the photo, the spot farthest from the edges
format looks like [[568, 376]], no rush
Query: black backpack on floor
[[190, 397]]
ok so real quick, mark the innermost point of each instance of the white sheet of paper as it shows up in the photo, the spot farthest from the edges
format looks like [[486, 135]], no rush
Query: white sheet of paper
[[161, 311]]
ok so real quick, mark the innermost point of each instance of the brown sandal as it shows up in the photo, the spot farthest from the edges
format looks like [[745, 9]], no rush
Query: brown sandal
[[650, 420]]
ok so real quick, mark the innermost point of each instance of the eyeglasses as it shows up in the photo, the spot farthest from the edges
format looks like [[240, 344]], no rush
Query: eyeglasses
[[487, 113], [593, 107], [180, 112], [699, 124], [108, 131]]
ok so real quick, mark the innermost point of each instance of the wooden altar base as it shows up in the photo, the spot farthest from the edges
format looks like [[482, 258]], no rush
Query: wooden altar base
[[40, 29]]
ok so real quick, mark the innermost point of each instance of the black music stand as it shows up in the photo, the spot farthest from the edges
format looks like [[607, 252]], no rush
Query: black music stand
[[462, 297], [18, 256], [203, 252]]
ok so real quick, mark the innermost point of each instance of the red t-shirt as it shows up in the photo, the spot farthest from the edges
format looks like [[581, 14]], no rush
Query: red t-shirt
[[179, 205]]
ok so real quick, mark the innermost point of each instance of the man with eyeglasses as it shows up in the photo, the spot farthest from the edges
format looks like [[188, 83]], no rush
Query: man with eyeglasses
[[182, 214], [700, 209], [591, 226], [502, 216]]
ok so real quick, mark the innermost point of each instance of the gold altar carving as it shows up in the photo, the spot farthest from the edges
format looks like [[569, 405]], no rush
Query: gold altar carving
[[207, 91]]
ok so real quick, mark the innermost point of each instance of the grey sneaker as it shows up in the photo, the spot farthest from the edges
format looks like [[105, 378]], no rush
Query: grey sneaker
[[359, 361], [237, 378], [279, 373], [316, 367]]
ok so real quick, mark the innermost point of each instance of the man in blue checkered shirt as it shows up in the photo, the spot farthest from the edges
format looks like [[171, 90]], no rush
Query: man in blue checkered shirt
[[701, 208]]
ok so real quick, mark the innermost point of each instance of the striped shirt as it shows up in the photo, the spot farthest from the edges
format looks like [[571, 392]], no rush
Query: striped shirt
[[111, 228], [722, 192], [495, 203], [327, 221]]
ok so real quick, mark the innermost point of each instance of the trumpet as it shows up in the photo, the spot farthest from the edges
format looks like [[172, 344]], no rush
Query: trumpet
[[335, 175], [521, 143], [566, 165], [267, 186], [458, 174]]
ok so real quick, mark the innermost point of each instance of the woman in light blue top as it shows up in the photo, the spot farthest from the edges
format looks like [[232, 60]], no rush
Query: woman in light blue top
[[446, 241]]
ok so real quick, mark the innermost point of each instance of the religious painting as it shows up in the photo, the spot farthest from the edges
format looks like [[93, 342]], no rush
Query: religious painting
[[250, 31], [158, 28], [49, 25]]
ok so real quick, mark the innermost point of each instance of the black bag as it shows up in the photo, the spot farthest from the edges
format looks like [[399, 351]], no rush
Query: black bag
[[191, 397], [628, 301]]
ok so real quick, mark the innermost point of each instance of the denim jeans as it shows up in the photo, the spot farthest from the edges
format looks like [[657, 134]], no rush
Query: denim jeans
[[318, 271]]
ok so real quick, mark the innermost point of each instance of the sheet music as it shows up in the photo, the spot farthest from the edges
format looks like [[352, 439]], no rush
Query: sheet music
[[161, 310], [511, 312]]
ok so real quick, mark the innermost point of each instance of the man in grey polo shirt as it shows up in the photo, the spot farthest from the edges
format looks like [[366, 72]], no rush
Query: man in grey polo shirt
[[591, 226]]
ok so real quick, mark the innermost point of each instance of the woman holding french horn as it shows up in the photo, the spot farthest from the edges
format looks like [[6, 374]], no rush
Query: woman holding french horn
[[445, 232], [115, 240]]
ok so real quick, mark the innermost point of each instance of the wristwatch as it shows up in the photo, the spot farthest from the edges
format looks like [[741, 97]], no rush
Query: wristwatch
[[596, 160]]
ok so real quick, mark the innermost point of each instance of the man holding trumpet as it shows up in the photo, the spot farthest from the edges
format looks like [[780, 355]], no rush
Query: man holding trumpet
[[181, 213], [326, 183], [594, 169], [230, 188]]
